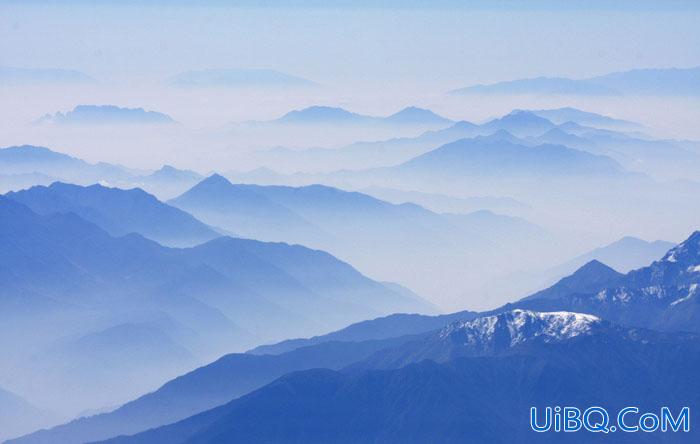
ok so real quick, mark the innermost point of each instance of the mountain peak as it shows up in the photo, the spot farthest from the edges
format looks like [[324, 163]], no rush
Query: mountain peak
[[170, 172], [521, 121], [593, 266], [413, 114], [499, 135], [319, 113], [463, 124], [590, 275], [522, 115], [515, 327], [215, 179]]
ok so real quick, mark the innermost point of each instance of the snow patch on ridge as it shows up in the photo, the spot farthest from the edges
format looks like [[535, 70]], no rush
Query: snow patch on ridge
[[692, 291], [523, 325]]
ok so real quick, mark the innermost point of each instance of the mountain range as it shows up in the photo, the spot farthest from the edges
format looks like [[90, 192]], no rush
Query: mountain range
[[573, 128], [327, 115], [411, 365], [671, 81], [105, 115], [376, 236], [131, 309], [27, 165], [661, 296], [119, 212], [207, 387], [560, 116], [438, 386], [495, 155]]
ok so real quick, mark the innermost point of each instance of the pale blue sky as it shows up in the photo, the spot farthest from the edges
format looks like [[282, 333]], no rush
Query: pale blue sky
[[446, 45]]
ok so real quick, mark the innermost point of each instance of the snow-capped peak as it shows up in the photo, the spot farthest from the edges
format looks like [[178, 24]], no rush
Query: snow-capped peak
[[687, 252], [518, 326]]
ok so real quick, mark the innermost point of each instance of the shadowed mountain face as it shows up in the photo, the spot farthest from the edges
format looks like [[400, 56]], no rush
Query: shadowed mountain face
[[479, 382], [591, 276], [118, 212], [162, 310], [391, 326]]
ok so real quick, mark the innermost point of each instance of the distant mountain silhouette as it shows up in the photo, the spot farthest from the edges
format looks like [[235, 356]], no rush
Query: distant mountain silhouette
[[443, 203], [27, 165], [237, 78], [539, 85], [671, 81], [169, 182], [323, 114], [663, 158], [522, 123], [118, 212], [414, 115], [168, 172], [314, 214], [569, 114], [623, 255], [557, 136], [338, 116], [29, 159], [31, 76], [668, 81], [520, 126], [18, 416], [104, 115], [245, 210], [489, 157]]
